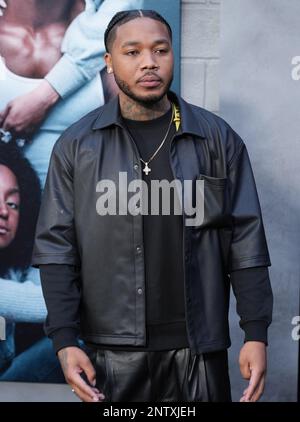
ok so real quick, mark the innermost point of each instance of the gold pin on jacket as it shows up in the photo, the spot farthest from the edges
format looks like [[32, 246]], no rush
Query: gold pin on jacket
[[177, 118]]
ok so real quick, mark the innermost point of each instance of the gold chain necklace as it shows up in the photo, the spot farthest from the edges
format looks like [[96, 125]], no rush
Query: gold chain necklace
[[147, 169]]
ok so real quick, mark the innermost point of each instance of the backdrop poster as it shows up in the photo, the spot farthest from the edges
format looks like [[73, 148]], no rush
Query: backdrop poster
[[60, 42]]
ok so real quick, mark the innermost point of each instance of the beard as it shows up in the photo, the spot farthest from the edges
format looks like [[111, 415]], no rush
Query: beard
[[146, 100]]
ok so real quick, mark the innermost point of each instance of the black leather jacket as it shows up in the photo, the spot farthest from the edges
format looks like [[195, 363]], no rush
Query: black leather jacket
[[109, 248]]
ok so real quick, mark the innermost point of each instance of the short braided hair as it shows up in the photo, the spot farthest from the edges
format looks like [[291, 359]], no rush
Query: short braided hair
[[127, 15]]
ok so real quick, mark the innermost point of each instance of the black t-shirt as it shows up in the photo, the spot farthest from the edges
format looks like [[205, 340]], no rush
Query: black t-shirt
[[163, 240]]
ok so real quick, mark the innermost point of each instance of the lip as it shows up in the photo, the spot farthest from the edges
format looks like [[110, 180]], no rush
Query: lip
[[3, 230], [149, 81]]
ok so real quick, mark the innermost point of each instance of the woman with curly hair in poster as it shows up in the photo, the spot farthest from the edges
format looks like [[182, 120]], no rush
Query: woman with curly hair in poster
[[21, 297]]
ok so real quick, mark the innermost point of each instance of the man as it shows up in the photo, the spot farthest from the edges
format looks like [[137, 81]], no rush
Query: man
[[149, 291]]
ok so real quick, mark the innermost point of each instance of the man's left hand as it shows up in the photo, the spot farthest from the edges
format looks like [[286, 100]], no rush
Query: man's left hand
[[253, 367]]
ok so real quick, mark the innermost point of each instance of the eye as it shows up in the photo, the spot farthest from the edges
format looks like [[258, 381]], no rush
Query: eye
[[161, 51], [132, 53], [13, 205]]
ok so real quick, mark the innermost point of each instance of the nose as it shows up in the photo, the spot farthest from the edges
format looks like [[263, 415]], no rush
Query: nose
[[149, 61], [3, 210]]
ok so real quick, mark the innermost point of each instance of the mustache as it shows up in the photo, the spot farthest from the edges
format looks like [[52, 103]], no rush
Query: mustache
[[150, 74]]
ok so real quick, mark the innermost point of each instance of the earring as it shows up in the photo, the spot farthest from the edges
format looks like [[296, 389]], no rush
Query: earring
[[109, 70]]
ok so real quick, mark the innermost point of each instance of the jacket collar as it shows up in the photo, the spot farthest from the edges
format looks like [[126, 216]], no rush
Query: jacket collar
[[110, 114]]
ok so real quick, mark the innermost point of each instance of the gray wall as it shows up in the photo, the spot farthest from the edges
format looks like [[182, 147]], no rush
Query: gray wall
[[237, 62], [200, 56], [260, 99]]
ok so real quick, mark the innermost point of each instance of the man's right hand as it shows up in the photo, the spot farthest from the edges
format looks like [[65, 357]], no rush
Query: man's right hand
[[74, 361]]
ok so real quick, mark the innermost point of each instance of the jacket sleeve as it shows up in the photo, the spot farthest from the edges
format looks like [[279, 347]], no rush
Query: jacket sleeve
[[252, 289], [83, 45], [248, 244], [61, 288], [249, 256], [55, 238]]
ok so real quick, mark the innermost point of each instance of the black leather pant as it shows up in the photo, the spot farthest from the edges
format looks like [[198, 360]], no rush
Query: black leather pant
[[161, 376]]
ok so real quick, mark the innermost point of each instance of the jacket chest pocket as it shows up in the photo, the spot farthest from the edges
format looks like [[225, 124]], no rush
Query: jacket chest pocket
[[213, 205]]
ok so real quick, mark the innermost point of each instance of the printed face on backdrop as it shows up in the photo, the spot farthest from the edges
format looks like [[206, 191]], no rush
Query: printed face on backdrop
[[9, 206], [142, 59]]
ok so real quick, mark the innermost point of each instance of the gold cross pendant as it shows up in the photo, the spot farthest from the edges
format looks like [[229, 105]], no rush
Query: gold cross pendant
[[146, 169]]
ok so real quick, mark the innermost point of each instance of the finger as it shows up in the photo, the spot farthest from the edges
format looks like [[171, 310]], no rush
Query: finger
[[4, 114], [10, 125], [257, 393], [83, 396], [5, 118], [81, 385], [89, 371], [245, 371], [253, 383], [7, 125], [100, 395], [243, 396], [259, 390]]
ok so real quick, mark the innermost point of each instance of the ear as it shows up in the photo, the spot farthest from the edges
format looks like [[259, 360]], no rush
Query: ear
[[108, 61]]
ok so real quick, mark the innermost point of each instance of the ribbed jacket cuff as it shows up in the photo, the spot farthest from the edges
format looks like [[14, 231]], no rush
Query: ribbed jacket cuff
[[64, 337], [256, 331]]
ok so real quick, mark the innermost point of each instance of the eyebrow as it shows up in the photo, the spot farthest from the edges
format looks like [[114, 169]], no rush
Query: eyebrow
[[134, 43], [13, 191]]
